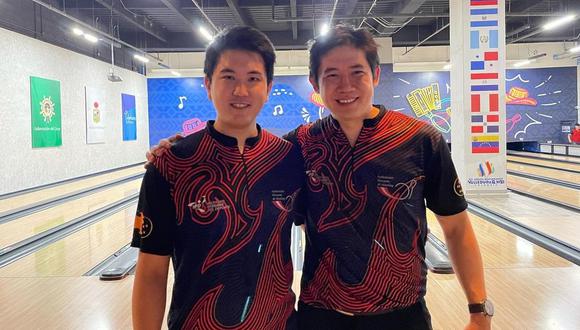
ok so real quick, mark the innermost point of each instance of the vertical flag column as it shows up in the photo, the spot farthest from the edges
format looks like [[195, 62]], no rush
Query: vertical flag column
[[477, 94]]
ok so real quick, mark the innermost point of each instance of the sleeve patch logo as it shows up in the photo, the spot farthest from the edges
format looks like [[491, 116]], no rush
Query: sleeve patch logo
[[143, 224], [457, 188]]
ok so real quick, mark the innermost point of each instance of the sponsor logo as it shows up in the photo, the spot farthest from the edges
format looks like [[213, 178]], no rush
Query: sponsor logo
[[486, 181], [204, 206], [485, 169]]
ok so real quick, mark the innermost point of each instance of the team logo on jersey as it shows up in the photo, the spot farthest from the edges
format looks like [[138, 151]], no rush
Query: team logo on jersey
[[399, 190], [457, 187], [204, 206], [143, 225], [316, 178]]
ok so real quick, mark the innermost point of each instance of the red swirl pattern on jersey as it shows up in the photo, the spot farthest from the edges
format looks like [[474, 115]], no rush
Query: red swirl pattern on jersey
[[268, 292], [393, 278], [328, 162], [218, 188]]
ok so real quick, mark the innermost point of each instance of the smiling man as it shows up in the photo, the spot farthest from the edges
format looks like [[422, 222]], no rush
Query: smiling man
[[215, 205], [371, 175]]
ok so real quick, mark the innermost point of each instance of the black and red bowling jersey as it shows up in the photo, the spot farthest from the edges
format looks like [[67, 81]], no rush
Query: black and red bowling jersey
[[366, 223], [225, 219]]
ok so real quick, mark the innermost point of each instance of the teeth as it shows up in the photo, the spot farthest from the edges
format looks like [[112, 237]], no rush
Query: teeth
[[346, 101], [239, 105]]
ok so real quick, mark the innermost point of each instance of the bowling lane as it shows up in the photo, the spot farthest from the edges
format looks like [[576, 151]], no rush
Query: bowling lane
[[552, 220], [546, 172], [22, 228], [544, 156], [544, 162], [502, 249], [531, 287], [77, 253], [53, 192], [545, 190]]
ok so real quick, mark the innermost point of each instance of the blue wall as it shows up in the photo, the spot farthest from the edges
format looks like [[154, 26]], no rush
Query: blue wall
[[552, 97]]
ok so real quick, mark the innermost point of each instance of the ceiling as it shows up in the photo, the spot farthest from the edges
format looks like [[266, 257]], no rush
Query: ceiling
[[171, 25]]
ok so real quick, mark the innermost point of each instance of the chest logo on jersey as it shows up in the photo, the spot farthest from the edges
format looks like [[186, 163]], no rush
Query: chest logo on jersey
[[317, 178], [397, 190], [283, 201], [204, 206]]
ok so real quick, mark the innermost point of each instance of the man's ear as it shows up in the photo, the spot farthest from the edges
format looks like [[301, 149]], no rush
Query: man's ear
[[314, 84], [207, 84], [377, 76], [270, 85]]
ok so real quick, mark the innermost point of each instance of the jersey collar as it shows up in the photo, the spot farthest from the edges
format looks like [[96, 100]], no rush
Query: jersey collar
[[229, 141]]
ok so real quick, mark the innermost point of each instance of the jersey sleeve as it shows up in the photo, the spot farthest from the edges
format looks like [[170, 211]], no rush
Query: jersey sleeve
[[443, 191], [155, 220]]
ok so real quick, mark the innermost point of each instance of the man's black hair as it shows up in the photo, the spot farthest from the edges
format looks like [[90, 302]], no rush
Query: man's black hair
[[240, 38]]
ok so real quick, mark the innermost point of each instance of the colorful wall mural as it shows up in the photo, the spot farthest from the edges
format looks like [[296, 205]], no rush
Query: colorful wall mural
[[538, 100]]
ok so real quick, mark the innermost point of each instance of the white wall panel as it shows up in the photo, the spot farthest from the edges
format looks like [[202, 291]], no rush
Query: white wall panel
[[22, 166]]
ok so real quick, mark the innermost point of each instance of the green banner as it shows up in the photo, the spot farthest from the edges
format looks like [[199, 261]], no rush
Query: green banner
[[46, 114]]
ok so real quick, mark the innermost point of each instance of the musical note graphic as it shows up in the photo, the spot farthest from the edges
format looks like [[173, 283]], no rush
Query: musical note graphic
[[278, 110], [180, 105]]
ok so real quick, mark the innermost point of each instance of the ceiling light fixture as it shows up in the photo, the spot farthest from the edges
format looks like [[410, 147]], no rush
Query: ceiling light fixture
[[91, 38], [141, 58], [78, 31], [559, 22], [205, 33], [324, 29], [522, 63]]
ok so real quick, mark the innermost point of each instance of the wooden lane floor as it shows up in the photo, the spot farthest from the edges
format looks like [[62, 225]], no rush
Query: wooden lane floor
[[544, 162], [79, 252], [545, 190], [531, 287], [546, 172], [544, 156], [66, 188], [554, 221], [25, 227], [64, 303]]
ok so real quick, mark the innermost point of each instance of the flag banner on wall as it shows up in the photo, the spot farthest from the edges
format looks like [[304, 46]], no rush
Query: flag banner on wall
[[46, 112], [129, 117], [95, 115]]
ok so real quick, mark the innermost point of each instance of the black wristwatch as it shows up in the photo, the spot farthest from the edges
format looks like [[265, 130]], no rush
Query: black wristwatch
[[485, 307]]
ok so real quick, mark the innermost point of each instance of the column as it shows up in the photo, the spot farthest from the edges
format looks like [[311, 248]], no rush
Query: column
[[478, 118]]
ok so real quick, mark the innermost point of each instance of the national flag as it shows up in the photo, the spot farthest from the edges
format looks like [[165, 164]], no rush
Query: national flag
[[484, 128], [484, 38], [484, 102], [485, 147], [485, 62]]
